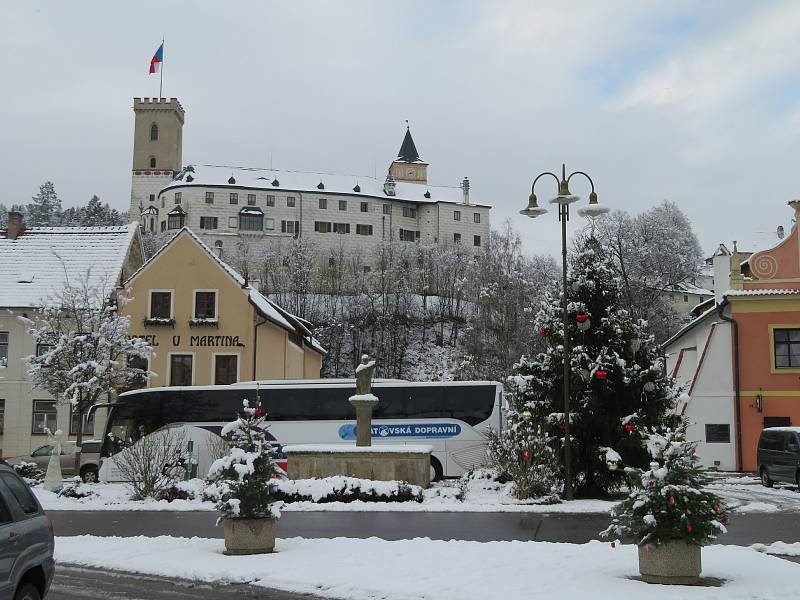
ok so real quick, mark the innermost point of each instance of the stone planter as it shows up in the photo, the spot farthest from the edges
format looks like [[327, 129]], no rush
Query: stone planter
[[249, 536], [674, 562]]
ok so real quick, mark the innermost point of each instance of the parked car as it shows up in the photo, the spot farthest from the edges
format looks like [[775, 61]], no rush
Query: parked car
[[778, 455], [90, 459], [26, 541]]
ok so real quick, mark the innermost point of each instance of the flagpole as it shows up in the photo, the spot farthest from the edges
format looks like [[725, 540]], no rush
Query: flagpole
[[161, 81]]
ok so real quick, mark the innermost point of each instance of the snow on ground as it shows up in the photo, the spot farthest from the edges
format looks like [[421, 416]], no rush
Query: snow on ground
[[779, 548], [744, 494], [445, 570]]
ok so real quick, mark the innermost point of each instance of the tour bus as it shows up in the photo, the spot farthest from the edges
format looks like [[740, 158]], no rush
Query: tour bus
[[454, 417]]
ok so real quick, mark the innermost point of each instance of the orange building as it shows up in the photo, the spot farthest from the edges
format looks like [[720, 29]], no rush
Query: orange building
[[741, 358]]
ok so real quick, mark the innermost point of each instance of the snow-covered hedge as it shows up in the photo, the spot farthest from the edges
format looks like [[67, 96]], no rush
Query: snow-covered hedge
[[75, 488], [30, 472], [345, 489]]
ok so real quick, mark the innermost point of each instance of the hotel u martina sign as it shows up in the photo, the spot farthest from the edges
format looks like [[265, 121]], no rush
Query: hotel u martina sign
[[195, 341]]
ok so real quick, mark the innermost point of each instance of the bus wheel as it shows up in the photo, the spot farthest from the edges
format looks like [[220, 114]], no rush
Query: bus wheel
[[437, 473]]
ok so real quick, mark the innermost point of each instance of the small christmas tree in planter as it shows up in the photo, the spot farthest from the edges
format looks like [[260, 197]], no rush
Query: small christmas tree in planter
[[668, 514], [248, 509]]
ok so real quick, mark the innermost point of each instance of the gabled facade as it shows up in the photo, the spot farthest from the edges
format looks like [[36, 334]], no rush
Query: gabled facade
[[747, 351], [208, 326]]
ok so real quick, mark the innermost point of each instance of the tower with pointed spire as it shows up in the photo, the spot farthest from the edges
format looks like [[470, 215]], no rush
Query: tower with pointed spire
[[408, 166]]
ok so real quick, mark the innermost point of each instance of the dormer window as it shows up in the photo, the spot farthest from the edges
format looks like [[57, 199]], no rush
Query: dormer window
[[154, 133]]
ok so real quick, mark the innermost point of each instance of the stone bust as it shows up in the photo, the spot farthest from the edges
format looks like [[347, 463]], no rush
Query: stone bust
[[364, 373]]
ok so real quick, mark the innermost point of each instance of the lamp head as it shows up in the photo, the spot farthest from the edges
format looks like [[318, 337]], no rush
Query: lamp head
[[533, 209], [594, 209]]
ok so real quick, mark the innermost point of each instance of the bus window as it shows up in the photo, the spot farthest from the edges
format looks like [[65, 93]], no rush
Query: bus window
[[470, 404]]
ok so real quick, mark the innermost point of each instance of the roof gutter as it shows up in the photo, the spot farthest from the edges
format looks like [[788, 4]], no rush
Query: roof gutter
[[255, 345], [737, 399]]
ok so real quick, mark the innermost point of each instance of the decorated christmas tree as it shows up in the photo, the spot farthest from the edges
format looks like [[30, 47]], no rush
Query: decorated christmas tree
[[243, 478], [618, 383], [667, 502]]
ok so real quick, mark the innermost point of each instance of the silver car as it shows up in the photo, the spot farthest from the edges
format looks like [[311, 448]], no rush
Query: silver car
[[90, 460]]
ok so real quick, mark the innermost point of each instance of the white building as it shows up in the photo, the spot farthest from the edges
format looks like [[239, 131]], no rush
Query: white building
[[35, 263], [224, 205]]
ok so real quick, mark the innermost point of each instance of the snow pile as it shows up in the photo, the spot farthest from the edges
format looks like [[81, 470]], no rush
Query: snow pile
[[778, 548], [75, 488], [346, 489], [445, 570]]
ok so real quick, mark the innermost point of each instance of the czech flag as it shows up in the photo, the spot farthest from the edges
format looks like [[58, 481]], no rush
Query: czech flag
[[158, 58]]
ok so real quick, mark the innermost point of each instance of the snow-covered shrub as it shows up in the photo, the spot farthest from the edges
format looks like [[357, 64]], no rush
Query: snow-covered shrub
[[76, 488], [243, 479], [183, 490], [522, 453], [345, 489], [153, 463], [668, 501], [30, 472]]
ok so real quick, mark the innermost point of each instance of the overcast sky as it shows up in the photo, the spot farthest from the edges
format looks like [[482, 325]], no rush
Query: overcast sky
[[698, 103]]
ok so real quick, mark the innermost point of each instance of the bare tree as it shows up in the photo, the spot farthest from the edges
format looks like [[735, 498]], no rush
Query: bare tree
[[153, 463]]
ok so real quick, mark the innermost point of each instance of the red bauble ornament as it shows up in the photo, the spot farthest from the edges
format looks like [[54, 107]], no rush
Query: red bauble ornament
[[651, 484], [718, 508], [259, 412], [613, 544], [562, 426], [543, 332], [581, 317], [628, 427], [601, 374], [689, 528], [725, 520], [694, 451], [671, 500], [526, 455]]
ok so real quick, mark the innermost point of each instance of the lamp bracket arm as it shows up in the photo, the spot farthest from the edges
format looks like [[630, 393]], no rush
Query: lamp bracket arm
[[581, 173], [540, 175]]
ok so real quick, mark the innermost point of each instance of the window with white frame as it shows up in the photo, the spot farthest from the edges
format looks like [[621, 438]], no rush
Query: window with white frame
[[269, 224], [290, 201], [208, 222], [410, 212], [75, 421], [160, 305], [270, 200], [456, 215], [205, 304], [44, 417], [209, 197], [180, 369], [476, 217], [234, 198], [251, 199], [342, 204], [225, 369]]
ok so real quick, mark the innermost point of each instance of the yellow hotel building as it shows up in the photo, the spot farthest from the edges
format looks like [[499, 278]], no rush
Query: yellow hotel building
[[207, 326]]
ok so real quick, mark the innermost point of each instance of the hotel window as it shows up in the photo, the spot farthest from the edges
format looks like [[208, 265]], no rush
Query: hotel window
[[365, 207], [476, 217], [209, 197], [364, 229], [75, 421], [3, 349], [476, 240], [234, 198], [270, 225], [322, 227], [251, 222], [160, 305], [270, 200], [251, 199], [323, 203], [176, 221], [387, 209], [290, 201], [180, 369], [342, 204], [205, 305], [154, 133], [410, 212], [225, 367], [787, 348], [456, 238], [456, 215], [177, 197], [208, 222], [341, 228], [44, 416]]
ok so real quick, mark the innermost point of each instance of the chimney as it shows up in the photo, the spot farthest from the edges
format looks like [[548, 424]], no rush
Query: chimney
[[15, 225], [465, 189], [388, 186]]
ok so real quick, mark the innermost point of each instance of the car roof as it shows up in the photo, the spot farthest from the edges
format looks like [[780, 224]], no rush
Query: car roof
[[792, 429]]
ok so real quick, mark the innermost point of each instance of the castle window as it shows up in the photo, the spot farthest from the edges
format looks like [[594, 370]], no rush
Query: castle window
[[406, 235], [456, 215], [409, 212], [476, 240], [342, 204], [341, 228], [176, 221], [292, 227], [163, 226], [152, 197], [251, 221], [154, 133], [234, 198], [209, 197], [177, 197], [364, 229], [323, 203], [251, 199], [208, 222], [290, 202], [476, 217], [387, 209], [152, 162], [365, 207], [322, 227], [270, 226], [270, 200], [456, 238]]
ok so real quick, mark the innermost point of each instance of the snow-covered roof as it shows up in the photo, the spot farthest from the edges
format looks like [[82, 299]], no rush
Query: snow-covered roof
[[690, 288], [690, 325], [298, 181], [764, 292], [41, 260], [266, 307]]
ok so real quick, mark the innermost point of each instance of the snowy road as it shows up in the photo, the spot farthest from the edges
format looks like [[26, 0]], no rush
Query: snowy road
[[745, 529], [77, 583]]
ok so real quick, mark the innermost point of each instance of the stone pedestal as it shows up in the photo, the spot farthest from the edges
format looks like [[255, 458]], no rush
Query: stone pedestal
[[411, 464], [363, 403], [249, 536], [671, 563]]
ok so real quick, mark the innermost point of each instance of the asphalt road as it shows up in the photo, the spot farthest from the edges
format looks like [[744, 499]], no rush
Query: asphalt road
[[74, 583], [745, 529]]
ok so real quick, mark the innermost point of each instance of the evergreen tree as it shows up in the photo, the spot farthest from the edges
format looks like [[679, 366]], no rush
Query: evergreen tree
[[3, 215], [45, 208], [617, 379], [667, 502]]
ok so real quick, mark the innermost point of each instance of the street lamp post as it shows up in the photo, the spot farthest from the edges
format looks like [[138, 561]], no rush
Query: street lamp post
[[591, 211]]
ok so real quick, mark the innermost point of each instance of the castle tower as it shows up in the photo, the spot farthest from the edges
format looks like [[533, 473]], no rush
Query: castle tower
[[408, 166], [157, 149]]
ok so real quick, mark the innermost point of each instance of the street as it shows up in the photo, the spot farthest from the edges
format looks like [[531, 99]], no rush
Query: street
[[745, 529]]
